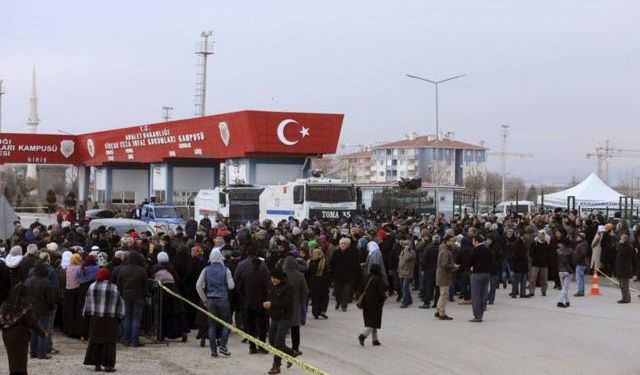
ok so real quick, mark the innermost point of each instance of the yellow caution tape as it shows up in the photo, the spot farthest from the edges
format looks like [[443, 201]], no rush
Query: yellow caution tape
[[305, 366], [616, 281]]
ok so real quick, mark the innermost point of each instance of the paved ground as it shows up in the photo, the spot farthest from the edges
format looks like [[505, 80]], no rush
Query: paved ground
[[27, 218], [594, 336]]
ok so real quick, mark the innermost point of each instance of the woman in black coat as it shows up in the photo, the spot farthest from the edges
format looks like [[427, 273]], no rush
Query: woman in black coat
[[624, 267], [16, 321], [318, 284], [374, 296]]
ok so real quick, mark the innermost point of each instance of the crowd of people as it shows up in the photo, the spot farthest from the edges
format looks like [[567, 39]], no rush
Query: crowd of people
[[263, 276]]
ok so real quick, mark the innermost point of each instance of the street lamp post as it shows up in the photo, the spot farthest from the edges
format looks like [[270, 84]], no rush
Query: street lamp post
[[437, 166]]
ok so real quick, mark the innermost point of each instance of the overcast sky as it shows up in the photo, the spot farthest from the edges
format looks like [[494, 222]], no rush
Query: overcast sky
[[563, 74]]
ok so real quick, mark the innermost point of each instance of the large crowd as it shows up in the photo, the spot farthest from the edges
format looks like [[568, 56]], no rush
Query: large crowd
[[267, 278]]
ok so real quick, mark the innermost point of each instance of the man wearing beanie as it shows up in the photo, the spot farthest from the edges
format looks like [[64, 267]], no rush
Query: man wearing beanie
[[280, 307]]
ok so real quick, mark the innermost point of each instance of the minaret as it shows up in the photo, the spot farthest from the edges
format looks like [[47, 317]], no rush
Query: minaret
[[33, 121]]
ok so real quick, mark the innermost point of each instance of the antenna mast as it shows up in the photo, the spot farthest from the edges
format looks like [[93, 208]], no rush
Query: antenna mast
[[205, 48]]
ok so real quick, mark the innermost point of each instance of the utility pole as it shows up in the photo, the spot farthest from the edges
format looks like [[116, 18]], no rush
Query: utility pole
[[504, 154], [166, 113], [205, 48], [503, 166]]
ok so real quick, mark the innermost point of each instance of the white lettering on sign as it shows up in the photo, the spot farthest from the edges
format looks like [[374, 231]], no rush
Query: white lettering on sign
[[146, 137], [36, 160], [7, 148]]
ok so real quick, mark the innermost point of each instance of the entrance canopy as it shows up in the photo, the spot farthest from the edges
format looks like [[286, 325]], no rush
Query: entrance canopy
[[243, 134], [590, 193]]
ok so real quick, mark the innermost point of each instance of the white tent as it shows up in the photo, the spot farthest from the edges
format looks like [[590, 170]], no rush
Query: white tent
[[7, 217], [590, 193]]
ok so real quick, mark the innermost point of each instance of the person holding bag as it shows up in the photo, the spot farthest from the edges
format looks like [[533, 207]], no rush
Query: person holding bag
[[371, 302]]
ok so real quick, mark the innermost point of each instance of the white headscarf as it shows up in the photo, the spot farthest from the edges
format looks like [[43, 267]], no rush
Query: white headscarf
[[372, 246], [66, 259], [163, 257], [15, 257]]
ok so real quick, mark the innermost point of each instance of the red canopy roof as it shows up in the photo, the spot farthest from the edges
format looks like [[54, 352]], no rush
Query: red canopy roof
[[230, 135]]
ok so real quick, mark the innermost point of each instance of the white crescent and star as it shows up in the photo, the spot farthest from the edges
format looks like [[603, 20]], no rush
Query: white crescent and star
[[304, 132]]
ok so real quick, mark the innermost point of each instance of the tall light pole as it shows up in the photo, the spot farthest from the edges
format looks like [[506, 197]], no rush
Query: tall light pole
[[437, 166], [166, 113]]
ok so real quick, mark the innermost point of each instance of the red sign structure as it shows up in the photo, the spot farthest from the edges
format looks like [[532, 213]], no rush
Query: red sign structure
[[231, 135], [38, 148]]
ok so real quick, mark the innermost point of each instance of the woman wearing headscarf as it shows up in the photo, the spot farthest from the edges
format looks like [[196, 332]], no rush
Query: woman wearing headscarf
[[72, 307], [374, 297], [13, 261], [17, 320], [86, 275], [103, 308], [319, 281], [298, 286], [375, 257], [174, 321]]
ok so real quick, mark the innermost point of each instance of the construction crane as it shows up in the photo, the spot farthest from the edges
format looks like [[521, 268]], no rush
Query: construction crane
[[604, 154], [504, 154]]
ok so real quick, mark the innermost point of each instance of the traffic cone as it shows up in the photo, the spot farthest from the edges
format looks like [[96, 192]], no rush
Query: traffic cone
[[595, 290]]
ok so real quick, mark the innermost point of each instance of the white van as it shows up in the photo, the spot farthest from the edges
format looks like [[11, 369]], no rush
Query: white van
[[522, 208]]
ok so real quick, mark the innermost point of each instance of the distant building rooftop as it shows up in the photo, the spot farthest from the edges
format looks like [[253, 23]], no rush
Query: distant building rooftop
[[429, 141], [357, 155]]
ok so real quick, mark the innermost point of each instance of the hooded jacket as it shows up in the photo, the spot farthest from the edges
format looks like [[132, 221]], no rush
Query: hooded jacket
[[215, 280]]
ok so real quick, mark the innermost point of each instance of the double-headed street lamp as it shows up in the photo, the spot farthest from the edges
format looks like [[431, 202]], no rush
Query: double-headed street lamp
[[437, 166]]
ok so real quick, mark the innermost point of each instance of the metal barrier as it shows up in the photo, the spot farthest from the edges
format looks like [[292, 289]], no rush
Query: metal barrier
[[151, 325]]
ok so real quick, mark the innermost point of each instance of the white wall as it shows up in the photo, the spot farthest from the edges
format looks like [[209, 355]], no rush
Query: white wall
[[136, 180], [194, 179], [101, 179], [277, 173]]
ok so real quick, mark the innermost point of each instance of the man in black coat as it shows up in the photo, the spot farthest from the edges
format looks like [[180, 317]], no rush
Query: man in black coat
[[344, 269], [429, 264], [132, 284], [252, 279], [624, 267], [280, 307], [518, 262], [41, 296], [539, 254]]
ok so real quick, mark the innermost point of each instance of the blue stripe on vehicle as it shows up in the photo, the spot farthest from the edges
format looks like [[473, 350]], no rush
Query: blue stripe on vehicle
[[279, 212]]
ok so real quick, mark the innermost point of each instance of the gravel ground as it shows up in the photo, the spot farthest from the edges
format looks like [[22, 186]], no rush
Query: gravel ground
[[594, 336]]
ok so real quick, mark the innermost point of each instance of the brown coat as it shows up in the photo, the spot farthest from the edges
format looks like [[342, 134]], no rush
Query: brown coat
[[406, 263], [446, 267]]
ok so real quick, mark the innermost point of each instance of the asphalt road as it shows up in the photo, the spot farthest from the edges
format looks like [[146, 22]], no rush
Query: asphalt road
[[530, 336]]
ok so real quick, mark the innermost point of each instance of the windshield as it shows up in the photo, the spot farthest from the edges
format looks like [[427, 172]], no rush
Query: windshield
[[330, 193], [165, 212]]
